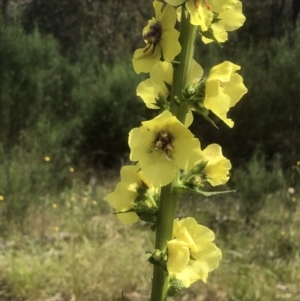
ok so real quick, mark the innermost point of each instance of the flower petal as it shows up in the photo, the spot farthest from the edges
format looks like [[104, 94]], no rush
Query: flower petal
[[121, 198], [233, 18], [162, 72], [146, 91], [206, 260], [178, 255], [169, 44], [168, 17], [186, 152], [187, 276], [157, 8], [217, 168], [140, 142], [128, 218], [144, 61], [200, 14], [196, 72], [235, 89], [158, 168]]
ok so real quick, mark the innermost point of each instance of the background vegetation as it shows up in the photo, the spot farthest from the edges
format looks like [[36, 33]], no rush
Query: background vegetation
[[67, 102]]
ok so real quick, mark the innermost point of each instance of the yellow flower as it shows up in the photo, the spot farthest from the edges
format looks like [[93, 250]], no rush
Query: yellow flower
[[56, 229], [73, 199], [1, 197], [175, 2], [217, 168], [71, 169], [162, 145], [160, 75], [201, 13], [47, 159], [54, 205], [224, 88], [84, 199], [191, 254], [229, 18], [126, 192], [150, 88], [161, 38], [94, 202]]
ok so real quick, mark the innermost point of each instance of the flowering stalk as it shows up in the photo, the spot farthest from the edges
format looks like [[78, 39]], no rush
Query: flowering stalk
[[169, 159], [168, 197]]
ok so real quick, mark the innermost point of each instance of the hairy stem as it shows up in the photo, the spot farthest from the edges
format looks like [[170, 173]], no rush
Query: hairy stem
[[168, 198]]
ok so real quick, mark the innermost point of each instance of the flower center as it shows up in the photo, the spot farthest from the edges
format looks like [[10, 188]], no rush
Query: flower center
[[152, 37], [206, 4], [163, 142]]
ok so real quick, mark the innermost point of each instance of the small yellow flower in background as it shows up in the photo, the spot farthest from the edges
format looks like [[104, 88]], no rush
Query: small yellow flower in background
[[125, 193], [298, 163], [54, 205], [47, 159], [161, 146], [56, 229], [161, 39], [73, 198], [224, 88], [1, 197], [84, 199], [191, 254], [251, 247], [282, 233], [94, 202], [217, 168], [71, 169]]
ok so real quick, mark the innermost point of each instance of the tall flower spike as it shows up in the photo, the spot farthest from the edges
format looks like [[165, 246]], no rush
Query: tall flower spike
[[161, 39], [162, 145]]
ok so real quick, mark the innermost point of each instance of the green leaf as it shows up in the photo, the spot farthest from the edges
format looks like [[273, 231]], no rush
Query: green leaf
[[185, 189]]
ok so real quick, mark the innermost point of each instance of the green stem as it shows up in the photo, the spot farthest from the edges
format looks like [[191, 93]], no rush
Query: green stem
[[168, 199], [183, 69]]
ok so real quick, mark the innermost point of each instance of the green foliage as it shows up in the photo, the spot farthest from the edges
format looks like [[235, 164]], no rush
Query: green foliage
[[57, 251], [73, 113], [254, 180]]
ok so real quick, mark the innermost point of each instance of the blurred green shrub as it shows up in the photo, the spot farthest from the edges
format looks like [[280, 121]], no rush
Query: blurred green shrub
[[92, 105], [254, 181], [74, 113]]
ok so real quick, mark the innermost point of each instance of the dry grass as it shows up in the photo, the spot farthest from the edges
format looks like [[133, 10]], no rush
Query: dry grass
[[79, 251]]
